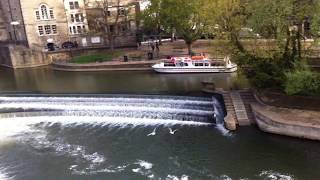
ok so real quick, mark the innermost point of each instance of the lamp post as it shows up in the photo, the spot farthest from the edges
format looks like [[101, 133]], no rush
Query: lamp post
[[14, 24]]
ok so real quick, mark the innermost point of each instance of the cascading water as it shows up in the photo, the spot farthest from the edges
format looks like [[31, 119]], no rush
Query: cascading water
[[219, 116], [31, 120], [132, 110]]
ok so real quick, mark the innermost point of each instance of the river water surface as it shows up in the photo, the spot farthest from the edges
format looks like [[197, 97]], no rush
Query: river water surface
[[124, 130]]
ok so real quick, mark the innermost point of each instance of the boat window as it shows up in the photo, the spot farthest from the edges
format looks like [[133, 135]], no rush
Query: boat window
[[185, 64], [206, 64], [169, 65], [200, 64]]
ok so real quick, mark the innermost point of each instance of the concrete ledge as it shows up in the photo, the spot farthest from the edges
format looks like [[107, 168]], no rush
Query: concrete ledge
[[230, 122], [289, 122]]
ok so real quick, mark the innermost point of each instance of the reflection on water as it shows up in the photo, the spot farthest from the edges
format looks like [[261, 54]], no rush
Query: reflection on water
[[47, 80]]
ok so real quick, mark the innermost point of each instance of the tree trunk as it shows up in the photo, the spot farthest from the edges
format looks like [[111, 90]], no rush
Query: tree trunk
[[286, 48], [235, 41], [159, 35], [111, 43], [299, 40], [189, 45]]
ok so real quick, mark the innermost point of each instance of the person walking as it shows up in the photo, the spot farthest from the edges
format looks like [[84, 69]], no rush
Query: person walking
[[152, 47], [157, 49]]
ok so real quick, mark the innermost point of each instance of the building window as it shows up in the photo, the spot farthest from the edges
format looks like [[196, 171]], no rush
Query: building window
[[72, 18], [121, 12], [44, 12], [51, 14], [77, 29], [47, 30], [54, 29], [79, 17], [109, 13], [74, 5], [40, 30], [38, 15]]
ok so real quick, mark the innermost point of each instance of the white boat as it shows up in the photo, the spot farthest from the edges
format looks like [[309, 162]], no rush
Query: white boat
[[195, 64]]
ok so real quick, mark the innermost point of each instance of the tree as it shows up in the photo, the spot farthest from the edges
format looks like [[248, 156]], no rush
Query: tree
[[227, 18], [152, 18], [283, 21], [187, 17], [280, 22], [107, 17]]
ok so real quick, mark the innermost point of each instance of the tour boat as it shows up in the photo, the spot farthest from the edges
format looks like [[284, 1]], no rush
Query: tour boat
[[195, 64]]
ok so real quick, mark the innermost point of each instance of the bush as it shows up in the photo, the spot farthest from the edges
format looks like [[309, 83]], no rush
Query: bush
[[302, 82], [262, 72]]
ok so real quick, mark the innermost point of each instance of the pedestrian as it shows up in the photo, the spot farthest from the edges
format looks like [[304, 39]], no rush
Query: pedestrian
[[152, 47], [75, 44], [157, 49]]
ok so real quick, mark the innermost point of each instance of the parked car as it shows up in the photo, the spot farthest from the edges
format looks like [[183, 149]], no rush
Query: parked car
[[68, 45], [51, 47]]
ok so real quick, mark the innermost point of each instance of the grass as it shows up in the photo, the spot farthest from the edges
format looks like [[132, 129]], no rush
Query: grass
[[95, 58]]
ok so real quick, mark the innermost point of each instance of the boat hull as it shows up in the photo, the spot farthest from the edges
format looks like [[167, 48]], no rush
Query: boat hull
[[195, 70]]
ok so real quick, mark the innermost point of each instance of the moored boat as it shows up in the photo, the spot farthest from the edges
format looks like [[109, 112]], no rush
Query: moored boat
[[195, 64]]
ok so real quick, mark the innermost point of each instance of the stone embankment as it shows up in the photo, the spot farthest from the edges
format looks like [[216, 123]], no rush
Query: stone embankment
[[289, 122], [245, 108]]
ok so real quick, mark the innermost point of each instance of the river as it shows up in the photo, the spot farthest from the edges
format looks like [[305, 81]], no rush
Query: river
[[134, 125]]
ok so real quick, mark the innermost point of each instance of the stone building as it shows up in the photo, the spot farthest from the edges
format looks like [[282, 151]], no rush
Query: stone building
[[37, 22]]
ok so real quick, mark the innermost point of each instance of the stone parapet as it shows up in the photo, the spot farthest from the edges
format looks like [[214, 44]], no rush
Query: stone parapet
[[289, 122]]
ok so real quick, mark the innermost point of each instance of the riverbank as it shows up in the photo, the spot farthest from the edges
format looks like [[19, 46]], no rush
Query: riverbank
[[273, 113], [289, 122], [296, 116]]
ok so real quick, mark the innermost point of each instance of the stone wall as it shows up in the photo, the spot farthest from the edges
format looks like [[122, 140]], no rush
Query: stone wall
[[271, 121], [19, 56]]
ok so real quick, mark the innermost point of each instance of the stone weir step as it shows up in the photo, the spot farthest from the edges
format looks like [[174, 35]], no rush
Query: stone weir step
[[238, 107]]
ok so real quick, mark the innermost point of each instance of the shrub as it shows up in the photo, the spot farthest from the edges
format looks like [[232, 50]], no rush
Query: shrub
[[262, 72], [302, 82]]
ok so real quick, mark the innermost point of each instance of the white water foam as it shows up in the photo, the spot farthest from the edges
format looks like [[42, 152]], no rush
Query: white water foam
[[144, 169], [11, 127], [173, 177], [105, 99], [44, 105], [4, 175], [220, 118], [271, 175]]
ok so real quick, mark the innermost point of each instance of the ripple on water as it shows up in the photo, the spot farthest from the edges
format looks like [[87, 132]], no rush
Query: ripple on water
[[173, 177], [271, 175], [4, 175]]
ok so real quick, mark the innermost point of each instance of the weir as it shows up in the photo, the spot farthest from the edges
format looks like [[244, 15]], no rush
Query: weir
[[118, 110]]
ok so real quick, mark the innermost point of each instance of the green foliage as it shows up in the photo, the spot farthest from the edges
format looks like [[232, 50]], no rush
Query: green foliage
[[262, 72], [187, 18], [302, 82]]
